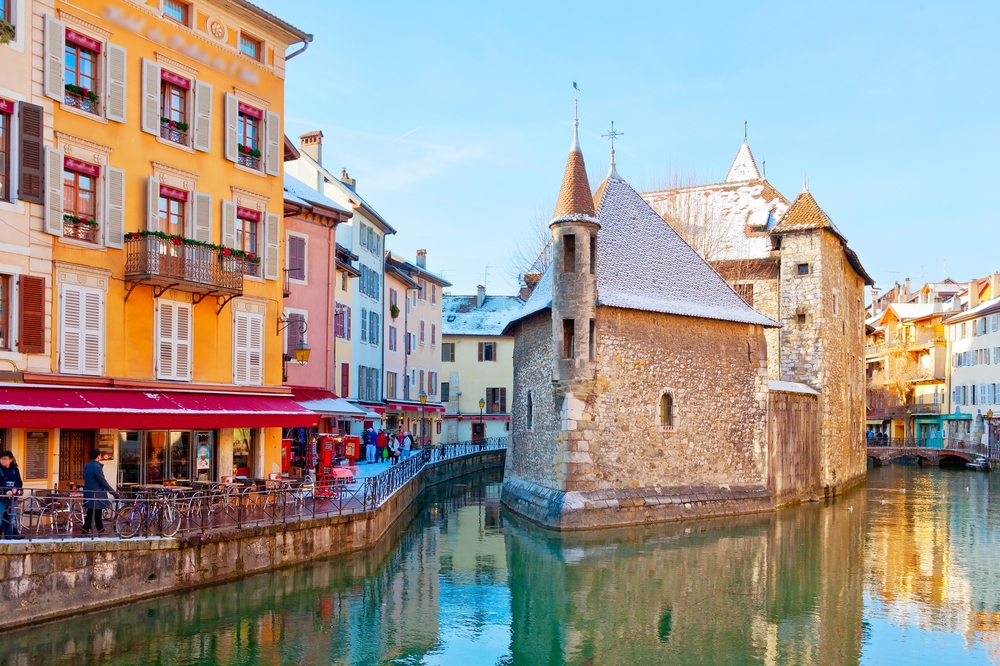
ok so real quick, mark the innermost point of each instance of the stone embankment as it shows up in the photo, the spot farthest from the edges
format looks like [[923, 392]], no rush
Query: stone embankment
[[46, 579]]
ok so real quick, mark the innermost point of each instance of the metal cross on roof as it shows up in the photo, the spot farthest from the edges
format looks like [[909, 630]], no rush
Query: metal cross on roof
[[613, 134]]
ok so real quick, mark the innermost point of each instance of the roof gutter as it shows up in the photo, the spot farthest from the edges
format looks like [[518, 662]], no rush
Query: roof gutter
[[305, 44]]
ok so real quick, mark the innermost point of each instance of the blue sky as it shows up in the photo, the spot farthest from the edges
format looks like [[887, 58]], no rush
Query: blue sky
[[456, 118]]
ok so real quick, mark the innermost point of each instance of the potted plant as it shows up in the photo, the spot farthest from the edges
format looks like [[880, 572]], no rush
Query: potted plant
[[174, 124], [7, 32], [394, 310], [252, 152], [81, 92]]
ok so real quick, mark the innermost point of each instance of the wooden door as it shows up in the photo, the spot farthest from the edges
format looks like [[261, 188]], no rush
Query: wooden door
[[74, 453], [478, 432]]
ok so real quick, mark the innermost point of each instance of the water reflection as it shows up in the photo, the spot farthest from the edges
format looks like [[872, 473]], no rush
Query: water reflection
[[879, 576]]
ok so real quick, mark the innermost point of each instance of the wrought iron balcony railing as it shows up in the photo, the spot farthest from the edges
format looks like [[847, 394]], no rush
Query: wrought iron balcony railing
[[160, 261]]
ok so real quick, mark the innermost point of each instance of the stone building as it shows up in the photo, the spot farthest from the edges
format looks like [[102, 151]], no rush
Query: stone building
[[640, 375], [791, 263]]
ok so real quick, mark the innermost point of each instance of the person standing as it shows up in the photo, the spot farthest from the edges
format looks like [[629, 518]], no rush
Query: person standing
[[407, 445], [95, 489], [393, 450], [381, 443], [10, 487], [370, 445]]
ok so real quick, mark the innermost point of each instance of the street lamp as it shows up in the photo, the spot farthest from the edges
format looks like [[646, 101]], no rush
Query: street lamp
[[301, 349], [482, 430], [423, 426]]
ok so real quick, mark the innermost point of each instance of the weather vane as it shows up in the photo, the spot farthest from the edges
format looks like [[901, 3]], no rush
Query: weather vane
[[613, 134]]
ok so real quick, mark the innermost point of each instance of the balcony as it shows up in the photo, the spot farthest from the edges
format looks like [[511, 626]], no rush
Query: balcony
[[162, 262], [248, 160], [83, 99], [80, 230], [178, 133], [923, 409]]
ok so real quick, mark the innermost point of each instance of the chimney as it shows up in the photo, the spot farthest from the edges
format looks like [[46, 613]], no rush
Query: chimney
[[421, 258], [995, 286], [906, 289], [524, 294], [973, 293], [311, 143], [480, 296], [347, 180]]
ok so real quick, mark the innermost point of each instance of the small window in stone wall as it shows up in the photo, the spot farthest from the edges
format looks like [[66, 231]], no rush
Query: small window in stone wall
[[800, 319], [569, 253], [529, 413], [802, 269], [667, 411], [745, 291]]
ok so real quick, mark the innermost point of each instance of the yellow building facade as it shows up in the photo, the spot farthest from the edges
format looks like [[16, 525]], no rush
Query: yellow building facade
[[163, 197]]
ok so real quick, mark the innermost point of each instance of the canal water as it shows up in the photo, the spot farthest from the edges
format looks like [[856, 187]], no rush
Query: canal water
[[902, 571]]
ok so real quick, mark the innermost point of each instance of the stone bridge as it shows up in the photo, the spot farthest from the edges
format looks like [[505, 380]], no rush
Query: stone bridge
[[881, 455]]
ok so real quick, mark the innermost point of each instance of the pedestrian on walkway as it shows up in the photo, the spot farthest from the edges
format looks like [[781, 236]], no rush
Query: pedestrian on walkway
[[370, 445], [95, 489], [407, 445], [381, 443], [393, 451], [10, 488]]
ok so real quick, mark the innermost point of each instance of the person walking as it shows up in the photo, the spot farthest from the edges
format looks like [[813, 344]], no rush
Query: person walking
[[370, 445], [393, 450], [10, 487], [407, 445], [95, 489], [381, 442]]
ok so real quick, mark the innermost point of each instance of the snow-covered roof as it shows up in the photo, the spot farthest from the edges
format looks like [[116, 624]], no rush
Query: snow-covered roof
[[732, 218], [989, 307], [790, 387], [461, 316], [912, 311], [302, 194], [744, 167], [643, 264]]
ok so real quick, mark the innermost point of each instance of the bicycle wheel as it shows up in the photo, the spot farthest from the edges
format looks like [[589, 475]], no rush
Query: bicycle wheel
[[77, 514], [128, 522], [169, 518]]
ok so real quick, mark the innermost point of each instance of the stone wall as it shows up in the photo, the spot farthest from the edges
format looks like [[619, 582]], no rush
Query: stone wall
[[46, 579], [794, 449]]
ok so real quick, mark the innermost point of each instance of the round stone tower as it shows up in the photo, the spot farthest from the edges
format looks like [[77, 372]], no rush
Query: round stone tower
[[574, 274]]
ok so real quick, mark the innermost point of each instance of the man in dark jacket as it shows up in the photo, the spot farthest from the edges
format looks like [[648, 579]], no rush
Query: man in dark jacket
[[10, 488], [95, 489]]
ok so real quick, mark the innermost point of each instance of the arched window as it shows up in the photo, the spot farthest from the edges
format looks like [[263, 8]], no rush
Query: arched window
[[667, 410], [529, 414]]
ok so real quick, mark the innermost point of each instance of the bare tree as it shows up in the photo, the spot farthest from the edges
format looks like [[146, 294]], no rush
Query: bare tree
[[532, 251]]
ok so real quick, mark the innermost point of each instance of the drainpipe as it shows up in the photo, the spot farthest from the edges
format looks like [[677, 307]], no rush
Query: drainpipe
[[331, 302], [305, 45]]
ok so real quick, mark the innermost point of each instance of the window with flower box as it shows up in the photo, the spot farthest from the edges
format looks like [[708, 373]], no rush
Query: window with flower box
[[174, 107], [247, 225], [82, 54], [248, 137], [253, 136], [80, 200]]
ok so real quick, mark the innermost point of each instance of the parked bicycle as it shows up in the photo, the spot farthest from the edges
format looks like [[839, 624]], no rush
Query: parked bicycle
[[151, 514]]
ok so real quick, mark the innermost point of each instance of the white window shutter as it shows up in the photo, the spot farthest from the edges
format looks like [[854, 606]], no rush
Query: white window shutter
[[114, 219], [53, 191], [241, 348], [117, 77], [271, 254], [55, 65], [184, 327], [255, 370], [229, 224], [274, 154], [93, 332], [202, 217], [232, 119], [202, 116], [70, 328], [150, 97], [165, 340], [153, 204]]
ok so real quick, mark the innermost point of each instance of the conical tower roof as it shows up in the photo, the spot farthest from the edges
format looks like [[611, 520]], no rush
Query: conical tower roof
[[805, 214], [575, 199], [744, 166]]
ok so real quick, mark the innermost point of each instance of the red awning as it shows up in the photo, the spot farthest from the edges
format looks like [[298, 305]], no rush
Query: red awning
[[414, 407], [26, 406]]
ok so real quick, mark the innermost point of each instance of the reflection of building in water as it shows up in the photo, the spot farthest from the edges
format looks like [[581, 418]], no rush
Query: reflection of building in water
[[777, 589]]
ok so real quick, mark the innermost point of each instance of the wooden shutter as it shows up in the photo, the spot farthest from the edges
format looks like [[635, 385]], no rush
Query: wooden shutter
[[31, 153], [255, 371], [153, 204], [503, 400], [182, 335], [274, 153], [272, 257], [150, 97], [229, 224], [165, 340], [174, 340], [93, 332], [53, 191], [345, 380], [202, 116], [232, 119], [481, 348], [202, 218], [114, 225], [348, 330], [241, 347], [297, 257], [55, 65], [70, 329], [295, 326], [364, 325], [31, 312], [116, 59]]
